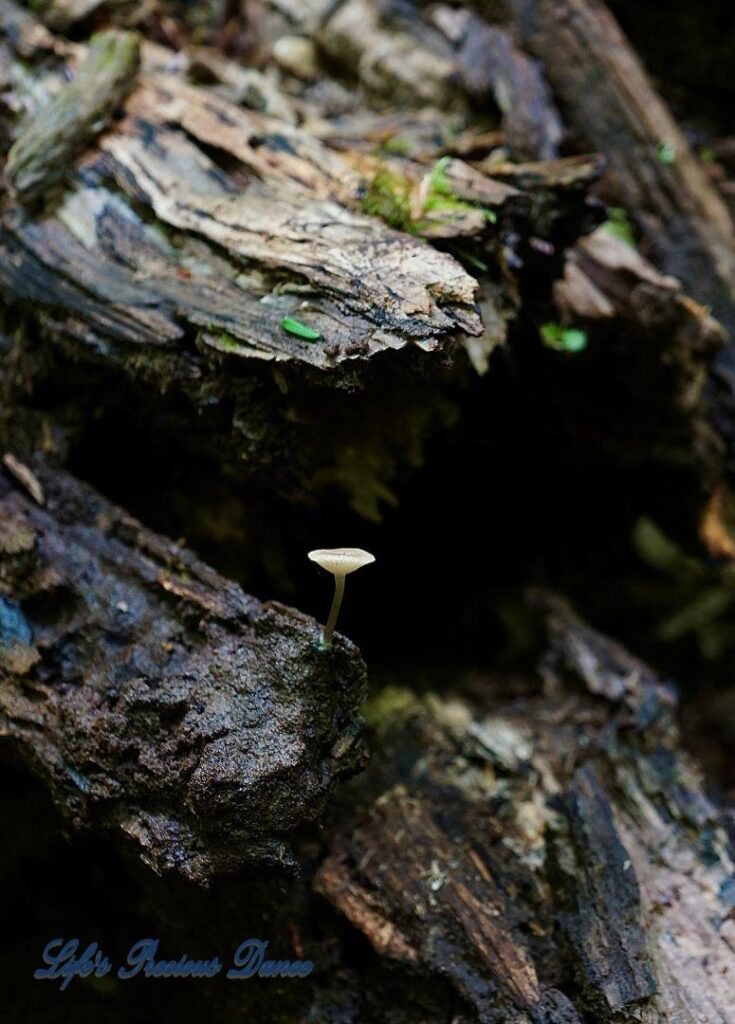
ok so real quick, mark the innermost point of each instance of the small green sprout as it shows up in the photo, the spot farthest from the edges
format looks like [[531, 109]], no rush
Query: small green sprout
[[563, 339], [299, 329], [441, 196], [666, 153], [439, 183], [340, 562]]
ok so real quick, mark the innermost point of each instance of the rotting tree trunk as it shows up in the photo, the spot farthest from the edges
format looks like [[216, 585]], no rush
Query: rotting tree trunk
[[156, 700], [553, 854], [548, 851], [169, 253], [513, 854]]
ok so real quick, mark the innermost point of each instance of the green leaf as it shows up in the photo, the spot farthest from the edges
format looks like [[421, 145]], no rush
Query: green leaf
[[299, 329], [563, 339], [574, 340]]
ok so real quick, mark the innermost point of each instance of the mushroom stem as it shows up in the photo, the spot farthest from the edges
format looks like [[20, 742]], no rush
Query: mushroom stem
[[338, 561], [339, 593]]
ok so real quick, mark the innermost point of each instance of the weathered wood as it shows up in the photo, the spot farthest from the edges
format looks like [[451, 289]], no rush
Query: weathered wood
[[45, 147], [158, 702], [445, 57], [554, 854], [280, 213], [195, 226], [611, 103], [491, 65], [527, 849]]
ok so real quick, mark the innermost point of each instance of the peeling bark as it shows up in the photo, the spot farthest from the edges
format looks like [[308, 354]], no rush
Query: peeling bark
[[193, 227]]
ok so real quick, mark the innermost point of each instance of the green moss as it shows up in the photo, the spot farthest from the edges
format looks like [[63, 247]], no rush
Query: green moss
[[387, 197], [113, 51], [397, 146], [390, 705], [666, 153], [442, 197], [228, 342]]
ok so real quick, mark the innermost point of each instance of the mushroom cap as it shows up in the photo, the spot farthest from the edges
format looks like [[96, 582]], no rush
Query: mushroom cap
[[341, 561]]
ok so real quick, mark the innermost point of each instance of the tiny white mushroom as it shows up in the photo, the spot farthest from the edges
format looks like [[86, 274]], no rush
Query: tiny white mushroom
[[340, 562]]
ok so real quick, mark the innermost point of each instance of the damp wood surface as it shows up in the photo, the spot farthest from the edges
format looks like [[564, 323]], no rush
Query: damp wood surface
[[158, 702]]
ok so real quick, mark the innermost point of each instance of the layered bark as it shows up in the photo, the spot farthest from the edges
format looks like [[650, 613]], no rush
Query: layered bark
[[201, 218]]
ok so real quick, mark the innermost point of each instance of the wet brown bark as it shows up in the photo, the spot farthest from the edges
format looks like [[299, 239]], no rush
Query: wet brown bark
[[158, 702]]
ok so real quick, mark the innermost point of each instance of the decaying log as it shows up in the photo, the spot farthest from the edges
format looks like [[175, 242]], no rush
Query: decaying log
[[534, 849], [156, 700], [611, 103], [193, 226], [553, 854], [443, 57], [605, 277], [279, 236], [490, 65]]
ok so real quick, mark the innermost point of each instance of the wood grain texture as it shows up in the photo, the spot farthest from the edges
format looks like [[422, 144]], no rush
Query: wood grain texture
[[44, 147]]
